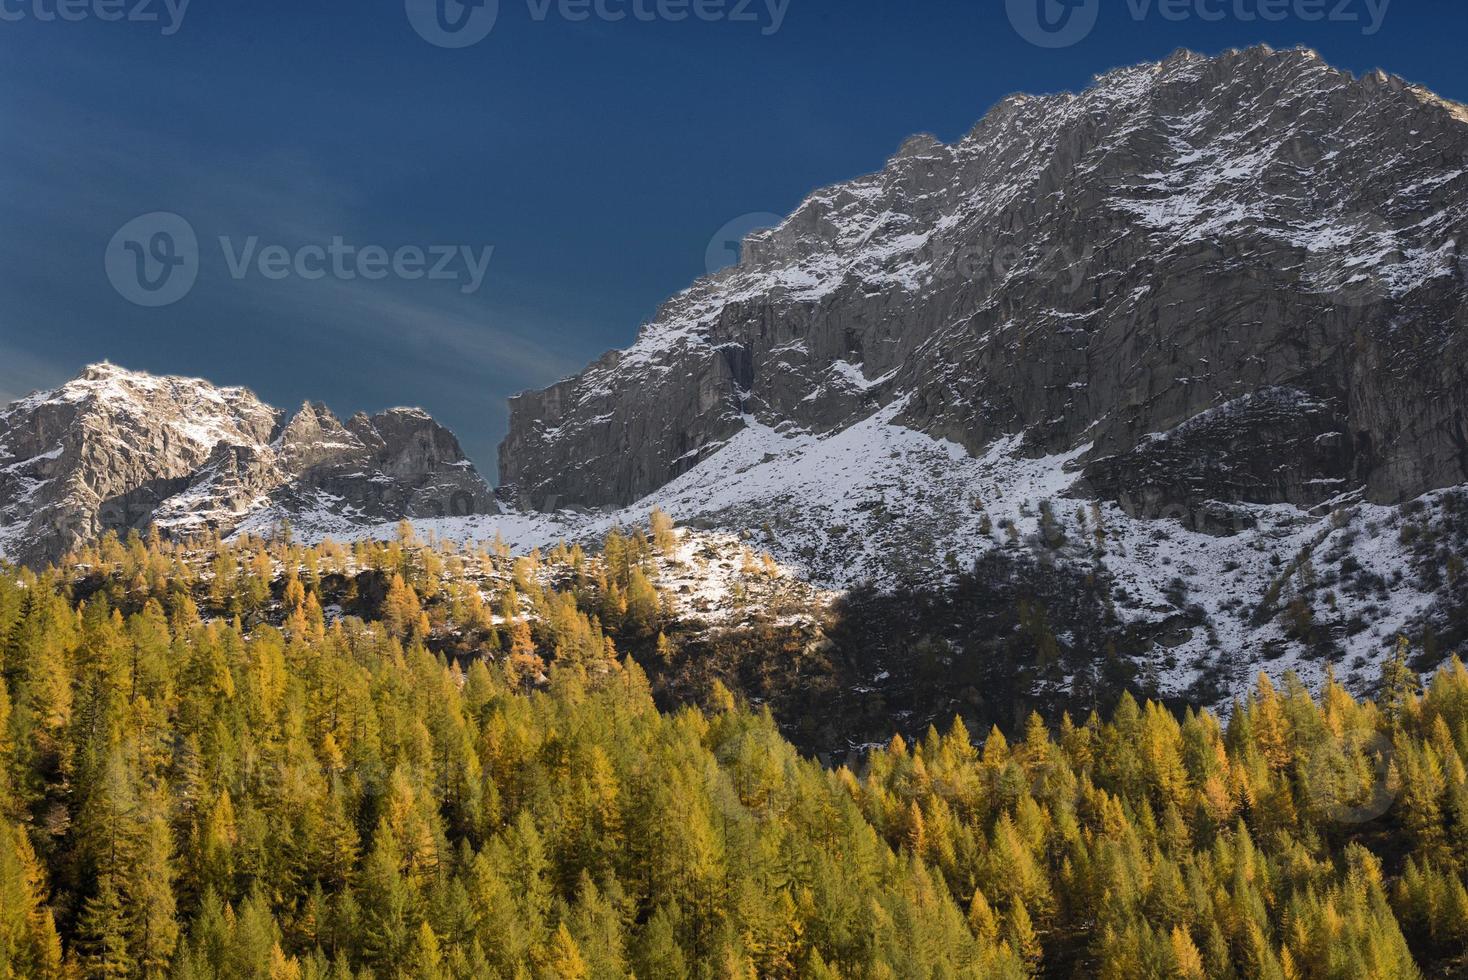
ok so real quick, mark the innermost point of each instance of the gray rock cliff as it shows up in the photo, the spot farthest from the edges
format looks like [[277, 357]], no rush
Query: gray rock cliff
[[1233, 279]]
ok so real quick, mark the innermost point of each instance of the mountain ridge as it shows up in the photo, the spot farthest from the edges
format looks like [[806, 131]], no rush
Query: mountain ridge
[[1195, 333], [117, 450], [849, 280]]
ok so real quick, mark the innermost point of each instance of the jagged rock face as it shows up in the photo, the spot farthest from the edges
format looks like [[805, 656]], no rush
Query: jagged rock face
[[115, 449], [313, 437], [107, 449], [1235, 279], [407, 465]]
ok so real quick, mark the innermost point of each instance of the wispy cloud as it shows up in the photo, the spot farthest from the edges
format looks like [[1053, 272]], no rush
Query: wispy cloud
[[279, 197], [432, 323]]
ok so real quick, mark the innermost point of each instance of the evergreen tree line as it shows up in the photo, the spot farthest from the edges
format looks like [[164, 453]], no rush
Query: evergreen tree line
[[225, 793]]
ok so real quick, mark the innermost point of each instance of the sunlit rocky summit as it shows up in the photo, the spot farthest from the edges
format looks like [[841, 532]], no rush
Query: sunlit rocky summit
[[117, 450], [1197, 330], [1217, 280]]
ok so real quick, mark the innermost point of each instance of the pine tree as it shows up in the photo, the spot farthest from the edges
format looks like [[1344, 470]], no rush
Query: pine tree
[[254, 937], [103, 933], [1019, 933], [642, 603], [215, 848], [426, 959], [387, 905], [1188, 962], [981, 919], [659, 956], [563, 958], [664, 537], [401, 609], [151, 892], [29, 944], [1398, 687], [596, 925], [283, 967], [525, 663]]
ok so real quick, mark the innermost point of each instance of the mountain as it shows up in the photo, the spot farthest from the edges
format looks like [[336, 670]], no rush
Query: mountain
[[115, 449], [1218, 280], [1186, 348]]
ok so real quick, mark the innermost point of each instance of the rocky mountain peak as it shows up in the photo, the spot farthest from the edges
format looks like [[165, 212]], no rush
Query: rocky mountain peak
[[313, 436], [919, 147], [115, 449], [1049, 276], [1200, 330]]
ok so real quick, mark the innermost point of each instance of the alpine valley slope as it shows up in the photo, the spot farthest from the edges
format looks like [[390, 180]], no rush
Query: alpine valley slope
[[1212, 310], [116, 450]]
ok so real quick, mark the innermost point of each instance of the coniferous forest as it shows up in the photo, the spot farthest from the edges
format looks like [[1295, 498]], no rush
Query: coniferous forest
[[403, 759]]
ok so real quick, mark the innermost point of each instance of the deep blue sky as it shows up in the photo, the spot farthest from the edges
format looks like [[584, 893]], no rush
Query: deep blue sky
[[598, 159]]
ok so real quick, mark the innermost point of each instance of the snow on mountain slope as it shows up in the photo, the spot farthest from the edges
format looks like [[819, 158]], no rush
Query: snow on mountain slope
[[110, 440], [880, 504]]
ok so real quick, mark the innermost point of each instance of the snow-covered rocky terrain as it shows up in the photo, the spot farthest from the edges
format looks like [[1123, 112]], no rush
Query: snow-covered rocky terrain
[[879, 504], [116, 450], [1215, 306], [1231, 279]]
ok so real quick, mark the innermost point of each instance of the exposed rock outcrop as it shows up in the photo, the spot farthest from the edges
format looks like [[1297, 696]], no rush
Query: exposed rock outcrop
[[118, 450]]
